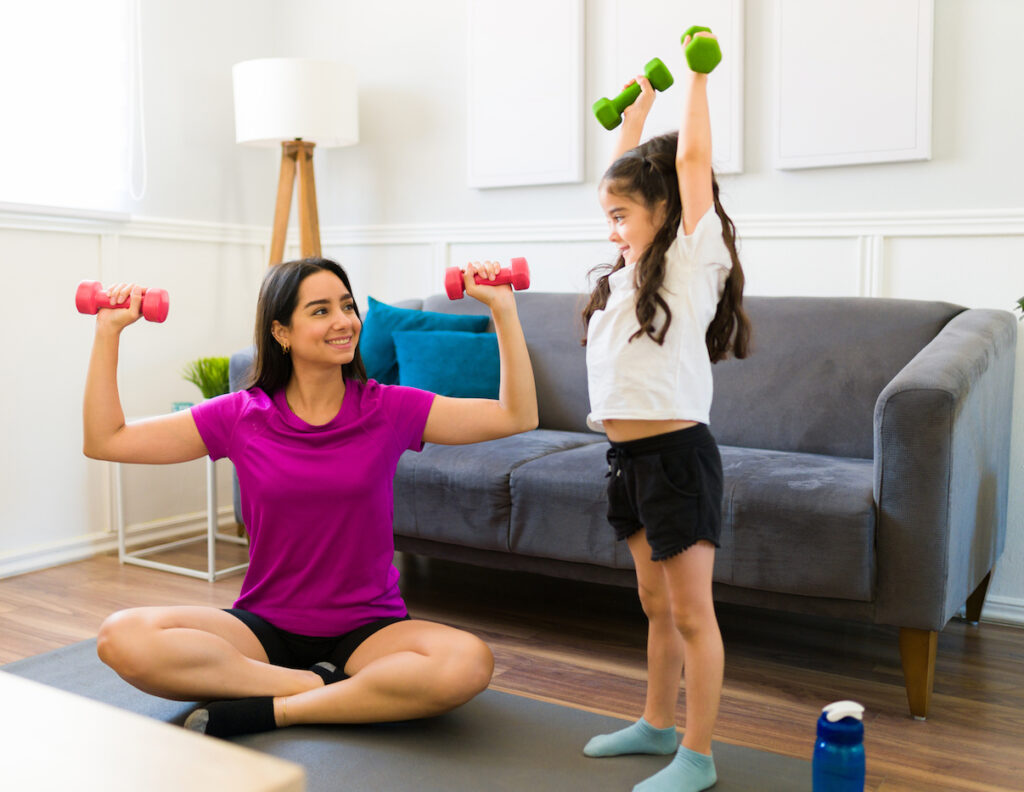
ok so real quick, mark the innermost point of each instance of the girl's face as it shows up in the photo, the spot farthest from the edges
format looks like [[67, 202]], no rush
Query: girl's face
[[632, 226], [324, 326]]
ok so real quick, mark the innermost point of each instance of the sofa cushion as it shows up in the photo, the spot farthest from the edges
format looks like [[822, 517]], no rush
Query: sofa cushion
[[377, 346], [460, 494], [797, 524], [793, 523], [449, 362], [553, 329], [816, 370], [560, 508]]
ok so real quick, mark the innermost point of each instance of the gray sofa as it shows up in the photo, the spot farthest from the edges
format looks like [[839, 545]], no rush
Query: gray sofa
[[865, 446]]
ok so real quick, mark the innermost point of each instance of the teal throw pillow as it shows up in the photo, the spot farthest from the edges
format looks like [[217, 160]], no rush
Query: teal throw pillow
[[449, 362], [377, 346]]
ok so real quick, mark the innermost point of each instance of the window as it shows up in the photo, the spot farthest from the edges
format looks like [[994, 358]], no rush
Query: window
[[66, 73]]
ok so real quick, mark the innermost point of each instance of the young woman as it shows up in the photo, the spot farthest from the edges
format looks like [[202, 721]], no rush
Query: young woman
[[319, 633], [667, 309]]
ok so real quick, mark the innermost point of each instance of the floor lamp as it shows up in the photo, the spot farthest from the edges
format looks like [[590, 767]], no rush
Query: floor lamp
[[297, 104]]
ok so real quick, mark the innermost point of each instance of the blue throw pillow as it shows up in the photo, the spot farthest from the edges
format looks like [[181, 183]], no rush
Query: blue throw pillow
[[377, 346], [449, 362]]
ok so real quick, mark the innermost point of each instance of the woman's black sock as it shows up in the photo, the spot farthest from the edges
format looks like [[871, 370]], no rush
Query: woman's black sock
[[233, 718]]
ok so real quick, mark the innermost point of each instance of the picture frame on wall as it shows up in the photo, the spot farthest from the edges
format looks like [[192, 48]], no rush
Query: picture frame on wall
[[525, 93], [850, 89]]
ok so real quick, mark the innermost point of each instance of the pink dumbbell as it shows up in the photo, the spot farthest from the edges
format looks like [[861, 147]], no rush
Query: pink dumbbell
[[517, 274], [91, 296]]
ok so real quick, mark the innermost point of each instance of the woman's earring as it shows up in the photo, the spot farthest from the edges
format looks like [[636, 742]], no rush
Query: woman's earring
[[285, 349]]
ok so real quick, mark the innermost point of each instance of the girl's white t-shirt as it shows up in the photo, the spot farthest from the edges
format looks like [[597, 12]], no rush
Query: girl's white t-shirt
[[640, 379]]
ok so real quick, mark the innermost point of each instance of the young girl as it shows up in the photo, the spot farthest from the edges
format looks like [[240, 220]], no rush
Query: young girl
[[667, 309], [319, 633]]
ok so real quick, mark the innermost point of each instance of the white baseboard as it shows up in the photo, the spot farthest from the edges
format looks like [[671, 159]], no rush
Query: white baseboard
[[1003, 610], [997, 610], [83, 547]]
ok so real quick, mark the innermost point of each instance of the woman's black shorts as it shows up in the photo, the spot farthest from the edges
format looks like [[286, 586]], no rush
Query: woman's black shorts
[[292, 650], [669, 484]]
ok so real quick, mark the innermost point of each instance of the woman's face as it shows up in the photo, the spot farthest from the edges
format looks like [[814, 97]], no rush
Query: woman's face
[[324, 325], [632, 226]]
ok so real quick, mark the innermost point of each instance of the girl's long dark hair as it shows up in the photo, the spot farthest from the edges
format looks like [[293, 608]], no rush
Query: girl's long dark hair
[[279, 295], [647, 174]]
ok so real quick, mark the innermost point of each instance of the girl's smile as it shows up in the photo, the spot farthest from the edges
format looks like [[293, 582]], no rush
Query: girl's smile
[[632, 226]]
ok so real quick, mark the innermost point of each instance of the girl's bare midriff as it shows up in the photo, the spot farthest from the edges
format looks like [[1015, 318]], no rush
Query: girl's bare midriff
[[622, 430]]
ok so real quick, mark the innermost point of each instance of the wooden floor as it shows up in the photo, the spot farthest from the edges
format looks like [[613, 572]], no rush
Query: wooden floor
[[583, 645]]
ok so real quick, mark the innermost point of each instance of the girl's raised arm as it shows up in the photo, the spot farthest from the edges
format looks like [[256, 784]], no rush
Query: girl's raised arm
[[693, 154], [456, 421], [633, 118], [169, 438]]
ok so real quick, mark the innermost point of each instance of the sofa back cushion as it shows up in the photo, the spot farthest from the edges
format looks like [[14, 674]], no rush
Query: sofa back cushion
[[553, 329], [810, 384], [817, 367]]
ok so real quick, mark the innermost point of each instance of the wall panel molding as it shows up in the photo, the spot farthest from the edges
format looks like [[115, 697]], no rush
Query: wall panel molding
[[794, 225], [113, 225], [998, 222], [872, 251]]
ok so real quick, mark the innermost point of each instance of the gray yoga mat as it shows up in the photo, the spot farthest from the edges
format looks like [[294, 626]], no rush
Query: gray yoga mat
[[497, 741]]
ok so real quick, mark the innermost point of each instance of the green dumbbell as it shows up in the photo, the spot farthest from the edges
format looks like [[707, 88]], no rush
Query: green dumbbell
[[609, 111], [703, 53]]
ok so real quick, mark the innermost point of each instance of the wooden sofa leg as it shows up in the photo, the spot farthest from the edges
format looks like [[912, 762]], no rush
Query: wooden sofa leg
[[917, 653], [972, 612]]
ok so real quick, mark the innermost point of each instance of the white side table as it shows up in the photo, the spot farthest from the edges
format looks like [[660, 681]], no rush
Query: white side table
[[213, 535]]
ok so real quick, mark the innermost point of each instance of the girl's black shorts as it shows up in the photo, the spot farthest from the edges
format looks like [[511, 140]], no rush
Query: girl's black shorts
[[292, 650], [669, 484]]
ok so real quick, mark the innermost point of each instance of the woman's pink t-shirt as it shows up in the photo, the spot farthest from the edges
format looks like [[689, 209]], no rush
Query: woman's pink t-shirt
[[318, 501]]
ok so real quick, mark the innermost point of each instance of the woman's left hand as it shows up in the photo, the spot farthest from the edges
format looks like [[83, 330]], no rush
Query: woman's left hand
[[490, 295]]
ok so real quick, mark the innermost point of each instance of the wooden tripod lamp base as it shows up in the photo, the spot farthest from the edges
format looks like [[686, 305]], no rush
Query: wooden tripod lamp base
[[296, 159]]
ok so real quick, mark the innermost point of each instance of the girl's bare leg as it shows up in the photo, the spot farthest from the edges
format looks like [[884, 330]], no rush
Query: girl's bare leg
[[655, 732], [689, 583]]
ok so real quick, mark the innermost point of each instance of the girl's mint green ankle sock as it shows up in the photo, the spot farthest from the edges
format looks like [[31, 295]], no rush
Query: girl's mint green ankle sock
[[689, 772], [639, 738]]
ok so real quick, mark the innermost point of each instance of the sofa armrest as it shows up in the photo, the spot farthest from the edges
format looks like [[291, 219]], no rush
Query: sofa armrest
[[941, 451], [238, 367], [238, 378]]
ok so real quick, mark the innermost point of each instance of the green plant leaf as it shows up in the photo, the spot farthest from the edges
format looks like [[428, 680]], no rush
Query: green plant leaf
[[210, 375]]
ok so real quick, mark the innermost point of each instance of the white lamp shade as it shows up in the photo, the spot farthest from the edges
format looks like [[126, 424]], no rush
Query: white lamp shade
[[280, 99]]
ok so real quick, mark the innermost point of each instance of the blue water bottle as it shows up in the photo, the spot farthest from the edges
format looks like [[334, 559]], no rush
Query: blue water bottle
[[838, 764]]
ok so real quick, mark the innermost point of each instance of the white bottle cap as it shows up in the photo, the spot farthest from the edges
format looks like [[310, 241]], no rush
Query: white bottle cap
[[838, 710]]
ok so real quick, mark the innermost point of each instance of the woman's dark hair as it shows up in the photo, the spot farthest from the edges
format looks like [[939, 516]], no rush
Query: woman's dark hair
[[279, 295], [647, 174]]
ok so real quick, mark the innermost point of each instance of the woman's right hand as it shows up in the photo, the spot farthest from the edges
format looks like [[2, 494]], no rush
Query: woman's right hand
[[119, 318]]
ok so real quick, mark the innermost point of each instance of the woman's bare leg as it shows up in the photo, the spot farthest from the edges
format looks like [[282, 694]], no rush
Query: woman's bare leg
[[192, 653], [410, 669]]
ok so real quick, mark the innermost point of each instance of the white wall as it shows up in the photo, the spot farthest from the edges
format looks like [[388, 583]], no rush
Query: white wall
[[200, 231], [196, 172], [950, 229], [396, 211]]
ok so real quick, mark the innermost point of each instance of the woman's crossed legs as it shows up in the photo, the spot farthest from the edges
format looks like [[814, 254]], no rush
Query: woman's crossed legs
[[409, 669]]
